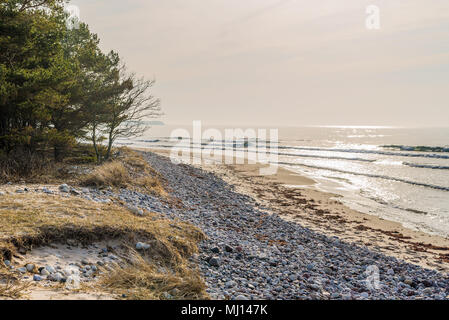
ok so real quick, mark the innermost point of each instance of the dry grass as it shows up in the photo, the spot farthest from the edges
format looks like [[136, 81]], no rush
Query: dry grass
[[35, 219], [110, 174], [129, 169], [10, 287], [143, 281]]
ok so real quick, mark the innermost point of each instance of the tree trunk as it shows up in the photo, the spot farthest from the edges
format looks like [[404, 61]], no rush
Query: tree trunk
[[94, 142], [110, 143]]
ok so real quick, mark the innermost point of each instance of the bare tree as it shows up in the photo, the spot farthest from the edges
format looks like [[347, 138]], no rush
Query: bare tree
[[129, 113]]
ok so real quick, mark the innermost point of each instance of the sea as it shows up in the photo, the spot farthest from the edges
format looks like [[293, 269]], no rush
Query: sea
[[397, 173]]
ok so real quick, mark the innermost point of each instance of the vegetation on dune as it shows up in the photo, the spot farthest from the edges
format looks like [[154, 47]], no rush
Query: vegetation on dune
[[58, 91], [128, 169], [39, 219]]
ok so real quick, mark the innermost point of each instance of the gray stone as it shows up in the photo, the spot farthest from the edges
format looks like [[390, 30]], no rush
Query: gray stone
[[142, 246], [37, 278], [215, 250], [64, 188], [47, 191], [50, 269], [214, 261], [30, 267], [75, 192], [135, 210], [364, 295], [57, 277]]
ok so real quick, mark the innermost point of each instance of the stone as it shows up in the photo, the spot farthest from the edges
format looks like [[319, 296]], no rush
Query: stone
[[50, 269], [292, 277], [37, 277], [408, 281], [7, 263], [167, 296], [57, 277], [64, 188], [22, 270], [241, 297], [214, 262], [142, 246], [229, 249], [47, 191], [30, 267], [215, 250], [174, 292], [428, 283], [135, 210], [427, 291], [85, 262], [75, 192]]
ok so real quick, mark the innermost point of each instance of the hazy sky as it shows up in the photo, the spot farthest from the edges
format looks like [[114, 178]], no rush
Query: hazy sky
[[284, 62]]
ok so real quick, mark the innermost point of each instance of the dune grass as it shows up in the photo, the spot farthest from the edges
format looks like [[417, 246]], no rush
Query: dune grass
[[128, 170], [37, 219]]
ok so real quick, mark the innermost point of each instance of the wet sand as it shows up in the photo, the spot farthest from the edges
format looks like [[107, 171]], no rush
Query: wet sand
[[293, 197]]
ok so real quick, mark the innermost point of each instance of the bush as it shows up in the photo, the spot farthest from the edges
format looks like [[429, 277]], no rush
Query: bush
[[20, 164], [111, 174]]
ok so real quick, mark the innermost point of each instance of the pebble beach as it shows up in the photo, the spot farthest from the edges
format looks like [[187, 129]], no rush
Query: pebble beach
[[252, 254]]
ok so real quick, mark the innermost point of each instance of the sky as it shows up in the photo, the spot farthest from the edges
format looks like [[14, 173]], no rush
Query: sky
[[284, 62]]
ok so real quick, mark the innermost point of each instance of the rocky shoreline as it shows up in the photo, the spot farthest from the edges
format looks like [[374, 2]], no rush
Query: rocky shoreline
[[251, 254]]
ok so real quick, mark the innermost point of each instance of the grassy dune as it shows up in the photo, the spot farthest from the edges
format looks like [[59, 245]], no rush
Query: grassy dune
[[37, 219]]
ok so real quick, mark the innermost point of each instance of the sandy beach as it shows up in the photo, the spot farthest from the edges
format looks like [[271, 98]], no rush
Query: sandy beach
[[294, 198]]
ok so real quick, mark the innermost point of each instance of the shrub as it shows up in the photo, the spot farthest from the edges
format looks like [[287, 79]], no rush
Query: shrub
[[110, 174]]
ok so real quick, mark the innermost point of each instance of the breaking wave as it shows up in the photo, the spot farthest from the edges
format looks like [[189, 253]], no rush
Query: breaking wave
[[378, 176]]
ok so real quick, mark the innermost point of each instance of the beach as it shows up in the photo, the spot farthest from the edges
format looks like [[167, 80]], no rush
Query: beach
[[258, 251], [295, 199], [257, 238]]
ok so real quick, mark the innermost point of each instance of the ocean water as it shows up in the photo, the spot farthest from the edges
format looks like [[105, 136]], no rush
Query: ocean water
[[400, 174]]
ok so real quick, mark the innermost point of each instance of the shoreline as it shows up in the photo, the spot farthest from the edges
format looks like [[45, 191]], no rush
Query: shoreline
[[295, 199], [241, 251]]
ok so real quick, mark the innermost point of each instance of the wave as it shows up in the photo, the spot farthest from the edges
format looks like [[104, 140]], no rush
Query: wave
[[417, 148], [383, 202], [362, 151], [426, 166], [378, 176], [297, 155]]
